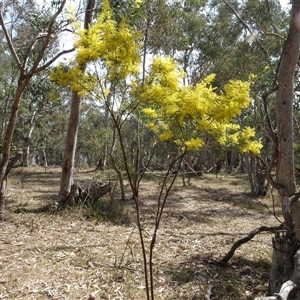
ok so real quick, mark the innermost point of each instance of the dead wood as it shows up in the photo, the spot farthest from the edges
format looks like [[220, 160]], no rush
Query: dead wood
[[91, 194], [246, 239], [288, 286]]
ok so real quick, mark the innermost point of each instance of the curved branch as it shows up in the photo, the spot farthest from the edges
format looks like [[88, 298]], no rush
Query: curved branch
[[246, 239], [47, 64], [47, 40]]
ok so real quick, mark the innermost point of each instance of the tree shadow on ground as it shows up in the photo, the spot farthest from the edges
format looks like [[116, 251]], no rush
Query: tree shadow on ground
[[229, 282], [202, 205]]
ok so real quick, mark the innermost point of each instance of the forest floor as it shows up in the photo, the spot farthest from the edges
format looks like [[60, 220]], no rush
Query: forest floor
[[80, 254]]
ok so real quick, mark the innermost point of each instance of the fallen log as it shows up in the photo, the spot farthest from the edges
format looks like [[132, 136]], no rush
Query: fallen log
[[92, 193]]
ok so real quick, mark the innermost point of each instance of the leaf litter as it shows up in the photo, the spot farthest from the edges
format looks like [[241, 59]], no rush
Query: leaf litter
[[64, 255]]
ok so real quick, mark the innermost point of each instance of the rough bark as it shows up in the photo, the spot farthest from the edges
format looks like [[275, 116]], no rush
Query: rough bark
[[94, 192], [284, 248], [66, 180], [290, 288]]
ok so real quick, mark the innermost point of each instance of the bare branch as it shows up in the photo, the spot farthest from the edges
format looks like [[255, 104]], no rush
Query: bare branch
[[246, 239], [31, 48], [46, 41], [9, 42], [239, 18], [47, 64], [246, 26], [274, 34]]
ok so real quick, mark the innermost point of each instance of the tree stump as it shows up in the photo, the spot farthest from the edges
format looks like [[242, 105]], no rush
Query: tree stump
[[284, 250]]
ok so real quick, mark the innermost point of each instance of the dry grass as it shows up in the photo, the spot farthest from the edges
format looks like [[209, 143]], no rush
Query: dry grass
[[66, 255]]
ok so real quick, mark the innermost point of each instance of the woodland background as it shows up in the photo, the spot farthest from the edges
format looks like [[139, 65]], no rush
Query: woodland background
[[53, 117]]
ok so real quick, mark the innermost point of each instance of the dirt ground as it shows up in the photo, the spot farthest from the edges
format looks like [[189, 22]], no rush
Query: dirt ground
[[78, 254]]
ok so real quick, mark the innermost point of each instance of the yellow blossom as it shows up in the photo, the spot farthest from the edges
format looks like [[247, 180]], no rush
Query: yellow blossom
[[149, 112], [194, 144], [138, 3], [166, 136]]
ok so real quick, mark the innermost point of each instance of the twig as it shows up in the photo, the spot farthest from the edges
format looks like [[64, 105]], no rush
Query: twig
[[208, 292], [126, 246]]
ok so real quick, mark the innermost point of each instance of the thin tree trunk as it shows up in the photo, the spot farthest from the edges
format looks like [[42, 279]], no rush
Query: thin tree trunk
[[201, 161], [22, 83], [27, 69], [106, 123], [26, 145], [66, 180], [250, 172], [116, 167], [231, 157]]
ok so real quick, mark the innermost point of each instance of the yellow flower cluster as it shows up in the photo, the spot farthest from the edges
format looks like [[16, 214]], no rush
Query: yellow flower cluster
[[150, 112], [74, 78], [194, 144], [138, 3], [247, 142], [116, 45], [189, 112], [235, 98], [166, 135], [182, 114]]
